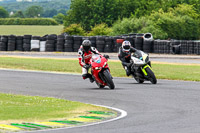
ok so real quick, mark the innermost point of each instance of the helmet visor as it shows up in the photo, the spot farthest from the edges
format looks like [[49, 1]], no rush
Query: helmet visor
[[86, 48], [127, 47]]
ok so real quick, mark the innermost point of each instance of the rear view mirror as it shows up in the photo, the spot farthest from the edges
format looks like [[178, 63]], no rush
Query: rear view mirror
[[119, 40]]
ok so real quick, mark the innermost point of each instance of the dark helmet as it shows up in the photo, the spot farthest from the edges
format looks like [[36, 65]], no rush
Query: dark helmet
[[86, 45]]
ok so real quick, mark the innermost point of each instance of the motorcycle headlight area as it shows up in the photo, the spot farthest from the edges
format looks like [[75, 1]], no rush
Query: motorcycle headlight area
[[98, 68], [147, 59]]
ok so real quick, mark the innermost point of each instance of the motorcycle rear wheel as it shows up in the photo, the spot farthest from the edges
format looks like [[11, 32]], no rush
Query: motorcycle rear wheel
[[151, 76], [140, 81], [108, 79]]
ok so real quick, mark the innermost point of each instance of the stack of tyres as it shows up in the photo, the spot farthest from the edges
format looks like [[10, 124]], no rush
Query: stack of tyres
[[197, 47], [184, 47], [93, 41], [130, 39], [43, 43], [85, 38], [19, 43], [175, 47], [11, 43], [50, 43], [3, 43], [167, 46], [108, 44], [69, 44], [148, 43], [190, 46], [77, 43], [116, 45], [35, 43], [139, 41], [27, 42], [133, 36], [161, 46], [60, 43], [156, 46], [100, 43]]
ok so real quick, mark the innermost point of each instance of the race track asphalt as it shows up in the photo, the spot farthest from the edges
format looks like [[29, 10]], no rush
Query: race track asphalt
[[167, 107]]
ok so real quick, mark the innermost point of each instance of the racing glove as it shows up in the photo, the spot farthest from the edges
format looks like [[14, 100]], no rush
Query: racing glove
[[106, 56], [87, 66]]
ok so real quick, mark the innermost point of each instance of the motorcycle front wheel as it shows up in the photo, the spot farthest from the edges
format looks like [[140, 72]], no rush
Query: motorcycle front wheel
[[151, 75], [108, 79]]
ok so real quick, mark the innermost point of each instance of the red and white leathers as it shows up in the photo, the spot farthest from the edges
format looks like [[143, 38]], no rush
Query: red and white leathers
[[84, 59]]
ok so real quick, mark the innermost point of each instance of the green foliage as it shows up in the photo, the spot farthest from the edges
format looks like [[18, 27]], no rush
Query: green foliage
[[59, 18], [49, 13], [137, 25], [74, 29], [28, 21], [181, 22], [53, 4], [34, 11], [18, 14], [91, 12], [101, 29], [3, 13]]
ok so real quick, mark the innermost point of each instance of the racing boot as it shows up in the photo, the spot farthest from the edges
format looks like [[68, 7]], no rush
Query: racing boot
[[85, 76], [128, 71], [91, 78]]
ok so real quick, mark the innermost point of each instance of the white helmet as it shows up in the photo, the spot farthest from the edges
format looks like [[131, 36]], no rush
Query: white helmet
[[126, 46]]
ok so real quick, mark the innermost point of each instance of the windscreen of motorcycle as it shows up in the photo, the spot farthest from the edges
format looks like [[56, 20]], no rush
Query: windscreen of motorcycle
[[96, 58]]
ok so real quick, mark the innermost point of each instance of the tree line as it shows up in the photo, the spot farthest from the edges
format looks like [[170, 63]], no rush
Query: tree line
[[178, 19], [34, 12]]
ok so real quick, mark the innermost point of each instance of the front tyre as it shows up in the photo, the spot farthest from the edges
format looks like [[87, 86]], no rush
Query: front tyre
[[151, 75], [108, 79]]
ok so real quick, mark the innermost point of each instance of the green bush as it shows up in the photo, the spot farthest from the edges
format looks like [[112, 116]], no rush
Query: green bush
[[28, 21], [74, 29], [59, 18], [101, 29], [138, 25], [183, 25], [181, 22]]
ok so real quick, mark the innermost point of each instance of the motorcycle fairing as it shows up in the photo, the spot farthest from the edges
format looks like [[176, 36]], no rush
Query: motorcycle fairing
[[144, 71]]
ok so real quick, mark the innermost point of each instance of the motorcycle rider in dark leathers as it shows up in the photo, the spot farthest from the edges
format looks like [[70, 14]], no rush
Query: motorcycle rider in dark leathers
[[124, 55], [85, 54]]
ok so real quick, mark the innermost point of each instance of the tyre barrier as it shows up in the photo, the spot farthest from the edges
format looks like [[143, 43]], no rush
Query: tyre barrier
[[60, 43], [35, 43], [176, 47], [68, 43], [3, 43], [77, 43], [108, 45], [11, 43], [27, 42]]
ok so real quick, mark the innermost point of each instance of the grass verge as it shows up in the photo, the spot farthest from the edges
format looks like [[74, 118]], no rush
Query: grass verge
[[162, 71], [30, 30], [18, 108]]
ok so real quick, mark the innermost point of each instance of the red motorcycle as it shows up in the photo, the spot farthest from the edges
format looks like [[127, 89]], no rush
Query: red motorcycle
[[101, 72]]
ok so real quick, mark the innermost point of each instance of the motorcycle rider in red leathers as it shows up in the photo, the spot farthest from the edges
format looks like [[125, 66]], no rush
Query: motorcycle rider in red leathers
[[85, 54]]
